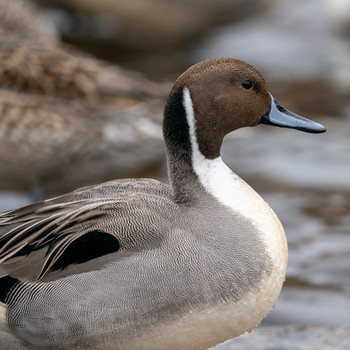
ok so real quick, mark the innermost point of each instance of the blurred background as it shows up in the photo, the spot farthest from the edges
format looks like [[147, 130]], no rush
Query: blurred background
[[82, 88]]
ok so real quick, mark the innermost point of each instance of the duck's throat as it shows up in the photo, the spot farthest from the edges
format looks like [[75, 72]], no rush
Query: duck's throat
[[216, 178]]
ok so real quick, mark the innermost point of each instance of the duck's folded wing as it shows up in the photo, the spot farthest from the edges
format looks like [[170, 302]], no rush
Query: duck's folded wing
[[54, 236], [81, 228]]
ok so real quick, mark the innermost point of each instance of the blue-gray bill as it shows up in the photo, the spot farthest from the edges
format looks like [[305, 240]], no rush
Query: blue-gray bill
[[279, 116]]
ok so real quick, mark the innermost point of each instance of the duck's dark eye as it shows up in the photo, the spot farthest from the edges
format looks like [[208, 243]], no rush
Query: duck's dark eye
[[247, 84]]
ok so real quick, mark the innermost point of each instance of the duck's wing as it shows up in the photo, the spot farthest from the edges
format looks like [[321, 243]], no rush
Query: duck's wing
[[85, 227]]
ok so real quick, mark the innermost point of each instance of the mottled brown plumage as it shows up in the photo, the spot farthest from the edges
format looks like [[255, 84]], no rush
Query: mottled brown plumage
[[68, 119]]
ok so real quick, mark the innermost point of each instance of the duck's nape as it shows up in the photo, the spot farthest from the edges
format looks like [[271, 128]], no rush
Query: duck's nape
[[283, 118]]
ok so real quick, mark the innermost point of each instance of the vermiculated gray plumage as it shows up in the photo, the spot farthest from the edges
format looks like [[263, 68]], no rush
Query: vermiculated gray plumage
[[144, 217]]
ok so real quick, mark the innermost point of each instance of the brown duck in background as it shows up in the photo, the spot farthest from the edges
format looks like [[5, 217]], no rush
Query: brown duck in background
[[67, 119]]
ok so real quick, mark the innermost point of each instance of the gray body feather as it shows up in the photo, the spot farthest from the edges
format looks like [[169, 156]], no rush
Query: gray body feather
[[114, 297]]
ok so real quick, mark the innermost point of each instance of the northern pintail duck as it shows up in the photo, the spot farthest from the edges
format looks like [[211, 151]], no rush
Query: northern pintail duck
[[137, 264], [67, 119]]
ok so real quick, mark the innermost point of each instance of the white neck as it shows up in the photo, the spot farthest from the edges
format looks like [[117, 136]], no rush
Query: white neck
[[215, 176], [229, 189]]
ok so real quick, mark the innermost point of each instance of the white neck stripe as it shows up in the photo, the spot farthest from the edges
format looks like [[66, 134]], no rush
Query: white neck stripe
[[213, 174], [197, 156], [219, 180]]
